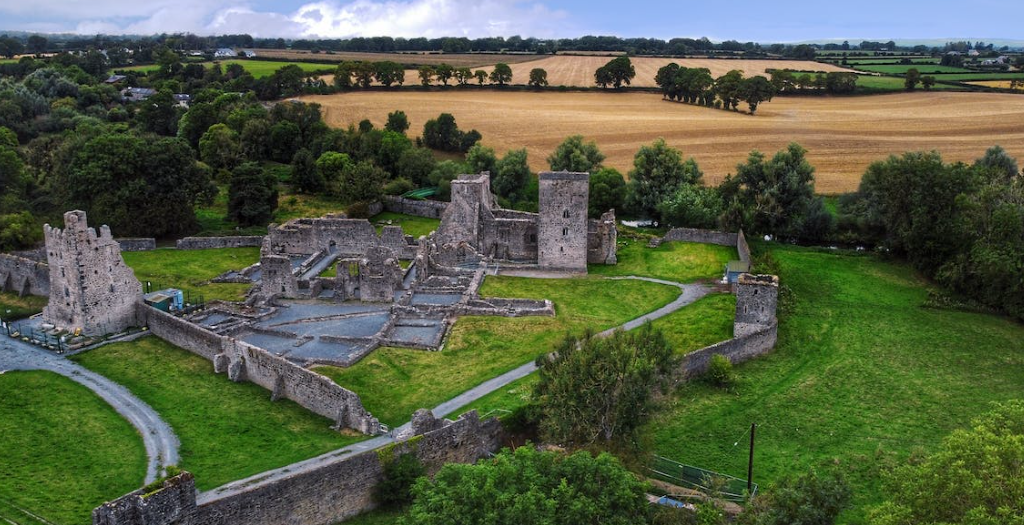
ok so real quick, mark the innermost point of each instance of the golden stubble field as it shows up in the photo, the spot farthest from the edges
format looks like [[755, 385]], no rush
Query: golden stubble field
[[579, 71], [843, 135]]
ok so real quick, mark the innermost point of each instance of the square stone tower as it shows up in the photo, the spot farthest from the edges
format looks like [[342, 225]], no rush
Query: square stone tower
[[757, 298], [91, 288], [562, 224]]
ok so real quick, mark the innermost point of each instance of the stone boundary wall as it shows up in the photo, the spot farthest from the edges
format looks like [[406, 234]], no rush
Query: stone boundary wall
[[204, 243], [419, 208], [137, 244], [336, 489], [24, 276], [737, 349], [244, 362], [739, 240]]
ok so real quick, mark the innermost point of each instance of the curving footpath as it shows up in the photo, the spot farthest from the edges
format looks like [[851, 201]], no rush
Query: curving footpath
[[689, 294], [160, 441]]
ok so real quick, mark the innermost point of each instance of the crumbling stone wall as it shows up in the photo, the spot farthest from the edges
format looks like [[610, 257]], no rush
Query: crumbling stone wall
[[419, 208], [756, 300], [173, 502], [337, 489], [380, 275], [137, 244], [244, 362], [738, 240], [206, 243], [602, 236], [91, 288], [23, 276]]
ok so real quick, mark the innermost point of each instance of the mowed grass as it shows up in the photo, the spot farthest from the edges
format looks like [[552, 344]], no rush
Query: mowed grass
[[895, 84], [14, 307], [682, 262], [862, 378], [707, 321], [63, 450], [228, 430], [191, 270], [900, 69], [394, 382], [843, 135], [411, 225]]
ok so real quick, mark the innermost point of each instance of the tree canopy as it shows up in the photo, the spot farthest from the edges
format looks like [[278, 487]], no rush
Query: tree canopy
[[658, 170], [573, 154], [528, 487]]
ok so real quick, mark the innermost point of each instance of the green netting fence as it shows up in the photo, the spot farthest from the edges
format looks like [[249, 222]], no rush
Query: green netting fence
[[729, 488]]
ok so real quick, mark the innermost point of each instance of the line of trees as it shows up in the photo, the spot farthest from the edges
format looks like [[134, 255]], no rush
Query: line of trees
[[697, 86], [832, 83]]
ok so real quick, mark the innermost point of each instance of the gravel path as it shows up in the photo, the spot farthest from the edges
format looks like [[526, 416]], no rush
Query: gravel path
[[160, 441], [690, 293]]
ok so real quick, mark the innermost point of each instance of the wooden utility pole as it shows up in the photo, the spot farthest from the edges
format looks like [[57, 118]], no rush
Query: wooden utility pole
[[750, 462]]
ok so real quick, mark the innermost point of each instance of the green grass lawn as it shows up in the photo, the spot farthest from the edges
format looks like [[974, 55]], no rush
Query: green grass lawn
[[707, 321], [963, 77], [375, 517], [258, 68], [924, 69], [862, 378], [192, 269], [14, 307], [674, 261], [228, 430], [394, 382], [63, 450], [296, 206], [411, 224]]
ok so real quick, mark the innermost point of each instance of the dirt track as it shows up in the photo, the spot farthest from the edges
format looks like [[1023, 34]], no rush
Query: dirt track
[[843, 135]]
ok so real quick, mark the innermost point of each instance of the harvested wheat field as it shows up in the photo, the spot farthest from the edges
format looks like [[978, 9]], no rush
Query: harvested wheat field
[[843, 135], [1005, 84], [578, 71]]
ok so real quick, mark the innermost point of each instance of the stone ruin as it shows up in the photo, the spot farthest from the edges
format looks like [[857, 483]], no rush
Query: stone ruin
[[558, 237], [92, 290]]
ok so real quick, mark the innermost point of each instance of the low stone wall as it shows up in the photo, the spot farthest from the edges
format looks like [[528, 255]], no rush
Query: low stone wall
[[738, 349], [244, 362], [137, 244], [419, 208], [336, 489], [738, 240], [205, 243], [24, 276]]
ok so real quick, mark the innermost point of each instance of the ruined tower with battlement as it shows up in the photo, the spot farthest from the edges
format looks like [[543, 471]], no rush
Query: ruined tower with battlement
[[91, 288], [757, 298], [562, 223]]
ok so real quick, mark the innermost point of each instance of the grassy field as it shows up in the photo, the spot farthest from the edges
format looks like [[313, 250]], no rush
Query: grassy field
[[228, 430], [393, 382], [578, 71], [257, 68], [963, 77], [473, 60], [63, 450], [893, 84], [707, 321], [842, 134], [14, 307], [411, 225], [682, 262], [192, 269], [899, 69], [862, 378]]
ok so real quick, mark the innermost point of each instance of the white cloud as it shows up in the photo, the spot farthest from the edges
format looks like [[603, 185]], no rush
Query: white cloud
[[325, 19]]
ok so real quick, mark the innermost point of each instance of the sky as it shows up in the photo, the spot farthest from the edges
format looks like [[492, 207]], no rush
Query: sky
[[744, 20]]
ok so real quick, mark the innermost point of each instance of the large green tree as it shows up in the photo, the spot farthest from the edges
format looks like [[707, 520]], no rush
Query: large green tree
[[658, 170], [573, 154], [617, 71], [252, 195], [511, 175], [529, 487], [607, 192], [975, 478], [501, 74], [600, 391]]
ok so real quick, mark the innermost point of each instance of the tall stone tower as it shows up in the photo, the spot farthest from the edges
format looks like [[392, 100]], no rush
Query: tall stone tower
[[91, 288], [562, 225], [757, 298]]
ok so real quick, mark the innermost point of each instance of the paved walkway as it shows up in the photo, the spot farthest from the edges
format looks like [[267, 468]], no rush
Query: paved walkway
[[690, 293], [160, 441]]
